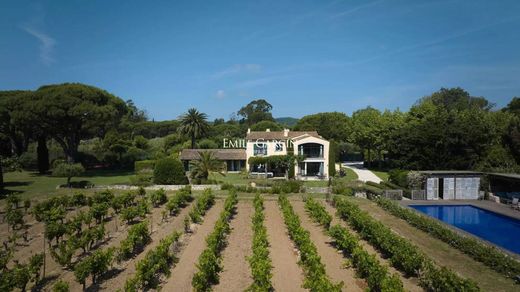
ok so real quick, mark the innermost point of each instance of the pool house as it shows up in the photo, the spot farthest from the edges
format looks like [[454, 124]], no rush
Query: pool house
[[451, 185]]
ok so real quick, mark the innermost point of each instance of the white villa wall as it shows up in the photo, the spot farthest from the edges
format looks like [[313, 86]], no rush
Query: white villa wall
[[325, 159], [296, 141], [270, 149]]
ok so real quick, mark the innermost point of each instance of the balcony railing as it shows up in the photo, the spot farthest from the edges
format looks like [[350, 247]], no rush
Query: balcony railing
[[258, 152]]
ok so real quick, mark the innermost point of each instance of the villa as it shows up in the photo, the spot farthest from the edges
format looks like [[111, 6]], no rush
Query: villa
[[309, 146]]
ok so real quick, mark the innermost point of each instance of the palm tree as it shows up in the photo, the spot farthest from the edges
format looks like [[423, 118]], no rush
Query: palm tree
[[207, 163], [193, 124]]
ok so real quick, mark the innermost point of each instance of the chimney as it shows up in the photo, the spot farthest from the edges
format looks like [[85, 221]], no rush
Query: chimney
[[248, 130], [268, 130], [285, 132]]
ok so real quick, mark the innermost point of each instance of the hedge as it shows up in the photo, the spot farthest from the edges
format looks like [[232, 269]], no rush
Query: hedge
[[479, 251], [169, 171]]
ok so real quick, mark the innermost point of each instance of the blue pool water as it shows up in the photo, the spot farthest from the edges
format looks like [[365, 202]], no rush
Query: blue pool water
[[498, 229]]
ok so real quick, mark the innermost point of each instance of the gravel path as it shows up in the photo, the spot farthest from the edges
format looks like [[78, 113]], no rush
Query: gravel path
[[160, 231], [330, 257], [183, 271], [236, 275], [362, 173], [287, 275], [410, 284]]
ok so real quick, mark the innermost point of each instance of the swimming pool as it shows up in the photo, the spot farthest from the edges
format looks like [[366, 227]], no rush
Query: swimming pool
[[498, 229]]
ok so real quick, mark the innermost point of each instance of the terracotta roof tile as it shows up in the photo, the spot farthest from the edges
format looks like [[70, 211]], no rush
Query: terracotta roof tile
[[279, 135]]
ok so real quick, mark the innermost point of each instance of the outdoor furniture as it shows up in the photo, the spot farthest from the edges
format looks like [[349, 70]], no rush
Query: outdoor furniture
[[514, 203]]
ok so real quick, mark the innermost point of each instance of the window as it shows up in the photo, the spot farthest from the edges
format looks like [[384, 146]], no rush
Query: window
[[260, 149], [278, 147]]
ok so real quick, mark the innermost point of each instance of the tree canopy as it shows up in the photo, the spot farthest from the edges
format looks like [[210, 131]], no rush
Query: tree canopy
[[330, 125], [256, 111], [264, 125], [71, 112], [194, 124]]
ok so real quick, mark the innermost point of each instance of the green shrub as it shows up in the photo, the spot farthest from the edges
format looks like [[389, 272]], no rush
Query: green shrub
[[138, 236], [398, 177], [78, 200], [286, 187], [169, 171], [144, 165], [28, 160], [96, 265], [158, 198], [340, 187], [226, 186], [371, 190], [375, 185], [60, 286], [68, 170], [142, 180], [179, 200]]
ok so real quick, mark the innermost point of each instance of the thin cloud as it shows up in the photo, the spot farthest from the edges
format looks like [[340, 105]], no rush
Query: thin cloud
[[355, 9], [434, 42], [220, 94], [237, 68], [47, 44]]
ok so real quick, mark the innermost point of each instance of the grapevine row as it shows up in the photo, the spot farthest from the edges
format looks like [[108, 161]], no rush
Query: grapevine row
[[260, 262], [137, 238], [403, 255], [367, 266], [209, 263], [479, 251], [315, 276], [155, 263], [159, 260]]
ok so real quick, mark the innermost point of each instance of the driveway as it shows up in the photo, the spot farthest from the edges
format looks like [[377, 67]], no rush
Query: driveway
[[362, 173]]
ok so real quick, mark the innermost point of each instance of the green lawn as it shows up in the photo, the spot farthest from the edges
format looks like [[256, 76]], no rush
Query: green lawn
[[316, 183], [351, 175], [381, 174], [232, 178], [241, 179], [30, 184]]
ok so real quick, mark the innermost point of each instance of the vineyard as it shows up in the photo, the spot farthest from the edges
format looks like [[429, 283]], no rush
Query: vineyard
[[202, 241]]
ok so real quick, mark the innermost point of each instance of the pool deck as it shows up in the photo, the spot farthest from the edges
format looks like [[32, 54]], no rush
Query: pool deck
[[502, 209]]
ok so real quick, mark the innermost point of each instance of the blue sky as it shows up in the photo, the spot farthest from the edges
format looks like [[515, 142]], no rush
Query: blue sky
[[302, 56]]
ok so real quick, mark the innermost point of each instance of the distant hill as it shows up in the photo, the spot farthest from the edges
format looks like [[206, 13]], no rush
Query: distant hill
[[287, 121]]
